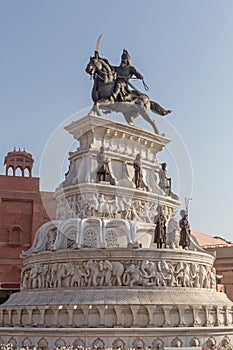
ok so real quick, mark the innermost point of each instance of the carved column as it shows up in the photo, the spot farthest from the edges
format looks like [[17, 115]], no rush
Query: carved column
[[118, 309], [167, 322], [18, 319], [29, 320], [134, 310], [150, 315], [207, 314], [42, 316], [195, 309], [227, 316], [9, 316], [181, 309], [85, 310], [70, 311], [101, 309], [56, 316], [217, 323]]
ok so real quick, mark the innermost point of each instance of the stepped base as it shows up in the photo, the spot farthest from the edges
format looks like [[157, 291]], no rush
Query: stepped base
[[133, 337], [124, 307]]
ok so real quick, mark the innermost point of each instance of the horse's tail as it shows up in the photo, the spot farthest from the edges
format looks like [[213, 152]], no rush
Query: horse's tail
[[156, 108]]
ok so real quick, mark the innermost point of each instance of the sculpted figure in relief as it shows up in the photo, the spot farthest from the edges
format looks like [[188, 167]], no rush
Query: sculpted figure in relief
[[104, 210], [146, 212], [71, 204], [152, 273], [213, 282], [35, 279], [125, 208], [194, 342], [186, 275], [60, 274], [94, 273], [183, 274], [113, 207], [195, 275], [208, 280], [226, 343], [91, 205], [113, 272], [167, 271], [79, 277], [46, 278], [203, 276], [133, 275], [176, 342], [158, 344], [25, 279], [138, 344], [118, 344]]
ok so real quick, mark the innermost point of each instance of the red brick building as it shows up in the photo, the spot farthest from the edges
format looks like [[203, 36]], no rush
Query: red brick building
[[223, 251], [21, 213]]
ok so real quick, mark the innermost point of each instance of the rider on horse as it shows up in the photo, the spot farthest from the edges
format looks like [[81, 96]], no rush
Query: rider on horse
[[111, 84], [123, 73]]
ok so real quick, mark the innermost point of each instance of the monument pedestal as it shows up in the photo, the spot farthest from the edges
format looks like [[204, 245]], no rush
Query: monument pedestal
[[94, 277]]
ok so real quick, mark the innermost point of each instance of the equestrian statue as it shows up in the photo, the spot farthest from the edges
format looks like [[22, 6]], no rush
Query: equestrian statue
[[113, 91]]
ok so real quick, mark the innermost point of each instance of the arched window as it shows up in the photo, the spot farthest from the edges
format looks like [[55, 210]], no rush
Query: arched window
[[27, 172], [10, 171], [71, 238], [18, 171], [15, 235]]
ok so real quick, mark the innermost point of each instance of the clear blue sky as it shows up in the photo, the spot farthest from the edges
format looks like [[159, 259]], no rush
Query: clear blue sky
[[183, 48]]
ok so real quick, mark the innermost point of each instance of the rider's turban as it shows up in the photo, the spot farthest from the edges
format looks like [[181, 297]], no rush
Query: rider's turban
[[126, 55]]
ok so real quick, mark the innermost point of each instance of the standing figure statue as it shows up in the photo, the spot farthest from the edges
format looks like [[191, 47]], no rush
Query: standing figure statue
[[137, 171], [103, 172], [164, 181], [185, 231], [160, 236]]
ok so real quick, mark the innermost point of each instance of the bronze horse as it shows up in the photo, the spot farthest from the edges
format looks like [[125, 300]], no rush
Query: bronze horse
[[135, 103]]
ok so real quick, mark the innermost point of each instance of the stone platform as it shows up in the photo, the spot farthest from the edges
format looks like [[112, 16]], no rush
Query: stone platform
[[94, 276]]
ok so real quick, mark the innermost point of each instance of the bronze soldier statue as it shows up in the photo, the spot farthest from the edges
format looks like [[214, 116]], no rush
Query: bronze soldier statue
[[111, 84], [137, 171], [185, 231], [103, 171], [160, 236]]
